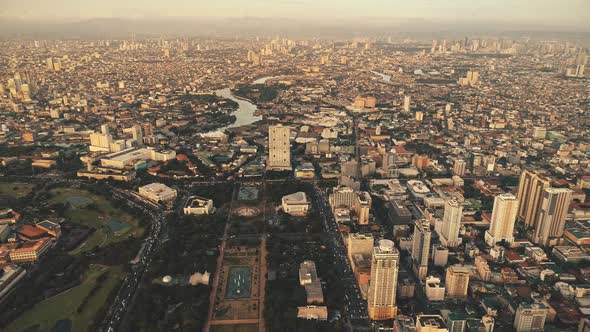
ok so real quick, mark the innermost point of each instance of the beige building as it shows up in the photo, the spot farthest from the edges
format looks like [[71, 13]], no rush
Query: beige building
[[530, 195], [434, 290], [362, 207], [459, 167], [383, 284], [457, 281], [157, 192], [295, 204], [421, 248], [308, 278], [342, 196], [530, 317], [358, 243], [503, 219], [279, 148], [550, 223], [313, 312], [452, 223], [198, 206]]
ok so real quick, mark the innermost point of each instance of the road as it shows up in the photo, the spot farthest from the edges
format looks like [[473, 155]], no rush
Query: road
[[355, 305], [127, 290], [219, 265]]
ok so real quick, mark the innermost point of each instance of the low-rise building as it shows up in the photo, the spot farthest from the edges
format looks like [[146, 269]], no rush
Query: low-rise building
[[198, 206], [570, 254], [295, 204], [312, 312], [308, 278], [430, 323], [30, 251], [158, 193]]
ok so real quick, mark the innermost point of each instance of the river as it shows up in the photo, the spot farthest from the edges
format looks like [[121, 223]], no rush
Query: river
[[245, 114]]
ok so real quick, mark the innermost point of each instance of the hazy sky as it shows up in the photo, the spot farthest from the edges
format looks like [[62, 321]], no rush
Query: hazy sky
[[541, 12]]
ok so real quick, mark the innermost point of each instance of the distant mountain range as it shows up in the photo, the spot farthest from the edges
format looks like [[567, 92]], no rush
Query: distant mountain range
[[252, 26]]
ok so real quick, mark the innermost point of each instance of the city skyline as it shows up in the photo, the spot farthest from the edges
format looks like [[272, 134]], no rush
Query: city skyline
[[184, 17], [295, 165]]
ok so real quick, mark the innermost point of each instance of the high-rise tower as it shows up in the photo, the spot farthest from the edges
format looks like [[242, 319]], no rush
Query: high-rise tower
[[383, 285], [279, 148], [503, 218]]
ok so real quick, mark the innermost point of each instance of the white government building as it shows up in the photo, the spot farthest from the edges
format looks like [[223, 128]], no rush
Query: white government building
[[295, 204], [198, 205]]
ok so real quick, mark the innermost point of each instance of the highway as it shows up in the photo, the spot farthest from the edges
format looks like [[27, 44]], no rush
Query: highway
[[127, 290], [355, 305]]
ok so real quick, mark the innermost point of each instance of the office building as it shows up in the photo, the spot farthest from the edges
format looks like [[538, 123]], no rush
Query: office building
[[434, 290], [459, 167], [539, 132], [383, 284], [457, 281], [431, 323], [440, 255], [530, 317], [362, 207], [342, 196], [404, 324], [530, 194], [279, 148], [407, 100], [551, 218], [359, 244], [503, 219], [419, 116], [452, 217], [421, 248]]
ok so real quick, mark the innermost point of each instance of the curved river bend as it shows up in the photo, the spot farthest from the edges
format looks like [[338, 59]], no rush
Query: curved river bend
[[245, 114]]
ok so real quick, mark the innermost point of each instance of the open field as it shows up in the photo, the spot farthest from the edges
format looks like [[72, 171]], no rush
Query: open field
[[64, 306], [16, 190], [111, 224]]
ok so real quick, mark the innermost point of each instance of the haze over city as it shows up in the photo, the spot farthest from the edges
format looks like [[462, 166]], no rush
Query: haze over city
[[295, 165]]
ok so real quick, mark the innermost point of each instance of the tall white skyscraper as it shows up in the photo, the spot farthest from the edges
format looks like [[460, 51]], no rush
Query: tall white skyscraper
[[503, 219], [383, 284], [550, 224], [421, 248], [452, 223], [279, 148]]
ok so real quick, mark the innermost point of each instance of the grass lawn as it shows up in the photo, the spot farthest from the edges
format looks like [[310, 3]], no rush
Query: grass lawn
[[64, 305], [98, 217], [17, 190]]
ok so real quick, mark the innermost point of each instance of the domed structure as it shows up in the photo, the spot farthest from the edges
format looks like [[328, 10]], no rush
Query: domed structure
[[386, 245], [166, 279]]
